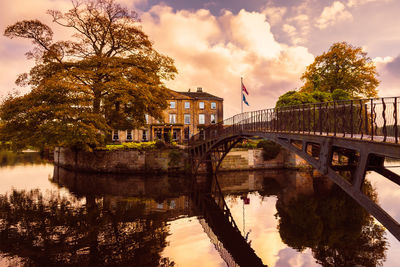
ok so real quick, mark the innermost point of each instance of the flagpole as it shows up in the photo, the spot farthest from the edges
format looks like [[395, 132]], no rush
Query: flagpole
[[241, 94]]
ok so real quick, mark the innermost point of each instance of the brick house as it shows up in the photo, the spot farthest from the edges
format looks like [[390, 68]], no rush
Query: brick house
[[188, 113]]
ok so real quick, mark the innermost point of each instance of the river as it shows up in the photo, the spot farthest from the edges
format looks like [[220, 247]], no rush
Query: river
[[50, 216]]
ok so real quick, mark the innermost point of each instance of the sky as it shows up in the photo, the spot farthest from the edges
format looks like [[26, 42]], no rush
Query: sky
[[214, 43]]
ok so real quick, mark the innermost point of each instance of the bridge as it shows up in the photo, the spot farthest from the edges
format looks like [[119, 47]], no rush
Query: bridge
[[341, 139]]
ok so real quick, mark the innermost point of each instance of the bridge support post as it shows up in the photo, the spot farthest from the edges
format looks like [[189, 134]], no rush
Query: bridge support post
[[209, 165], [325, 155], [359, 174]]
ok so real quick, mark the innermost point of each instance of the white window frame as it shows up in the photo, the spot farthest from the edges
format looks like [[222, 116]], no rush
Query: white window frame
[[115, 133], [172, 118], [213, 117], [144, 134], [187, 105], [129, 133], [201, 105], [172, 104], [213, 105], [202, 119], [146, 117], [185, 116]]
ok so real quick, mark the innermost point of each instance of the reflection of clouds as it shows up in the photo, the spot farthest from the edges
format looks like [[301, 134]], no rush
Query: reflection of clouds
[[388, 198], [189, 245], [388, 193], [393, 252], [266, 240], [291, 258], [26, 178]]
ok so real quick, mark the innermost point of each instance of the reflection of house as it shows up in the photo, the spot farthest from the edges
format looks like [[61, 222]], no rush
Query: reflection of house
[[139, 206], [187, 114]]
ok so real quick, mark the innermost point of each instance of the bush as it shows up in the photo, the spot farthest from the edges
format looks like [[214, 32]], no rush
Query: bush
[[130, 146], [250, 144], [270, 149], [139, 146], [161, 144], [339, 94]]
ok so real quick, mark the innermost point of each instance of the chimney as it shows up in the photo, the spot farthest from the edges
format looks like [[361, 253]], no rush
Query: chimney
[[189, 90], [199, 90]]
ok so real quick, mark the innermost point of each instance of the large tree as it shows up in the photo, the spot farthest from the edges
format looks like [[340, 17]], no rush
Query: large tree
[[106, 76], [344, 67]]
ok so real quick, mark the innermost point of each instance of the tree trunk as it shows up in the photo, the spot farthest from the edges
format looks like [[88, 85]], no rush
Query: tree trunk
[[96, 102]]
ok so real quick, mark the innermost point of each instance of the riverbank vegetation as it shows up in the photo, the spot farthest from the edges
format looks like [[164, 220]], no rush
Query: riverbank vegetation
[[138, 146]]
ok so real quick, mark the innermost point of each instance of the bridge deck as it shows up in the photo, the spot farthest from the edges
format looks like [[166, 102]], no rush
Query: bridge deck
[[364, 132]]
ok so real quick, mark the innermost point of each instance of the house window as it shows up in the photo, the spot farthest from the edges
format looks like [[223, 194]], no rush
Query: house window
[[172, 104], [176, 134], [187, 105], [201, 105], [186, 133], [172, 118], [187, 118], [129, 135], [158, 133], [115, 135], [167, 134], [202, 119], [213, 118], [213, 105], [144, 135], [146, 117]]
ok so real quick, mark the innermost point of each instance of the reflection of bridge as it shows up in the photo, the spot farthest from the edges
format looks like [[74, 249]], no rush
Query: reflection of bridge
[[127, 192], [221, 227], [342, 140]]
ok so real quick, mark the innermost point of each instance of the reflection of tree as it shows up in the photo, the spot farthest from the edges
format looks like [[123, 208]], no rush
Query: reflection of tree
[[9, 158], [270, 187], [53, 230], [338, 230]]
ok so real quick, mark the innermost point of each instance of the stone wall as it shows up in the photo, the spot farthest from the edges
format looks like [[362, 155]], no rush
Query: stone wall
[[162, 161], [252, 159], [120, 161]]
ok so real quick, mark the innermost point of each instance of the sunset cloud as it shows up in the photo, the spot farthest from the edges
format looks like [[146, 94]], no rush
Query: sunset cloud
[[274, 14], [388, 69], [355, 3], [215, 51], [332, 14]]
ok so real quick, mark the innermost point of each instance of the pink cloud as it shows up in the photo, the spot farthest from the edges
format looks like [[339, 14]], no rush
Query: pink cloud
[[215, 51]]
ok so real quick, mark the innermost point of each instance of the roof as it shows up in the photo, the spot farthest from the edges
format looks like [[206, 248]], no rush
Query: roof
[[177, 95], [201, 96]]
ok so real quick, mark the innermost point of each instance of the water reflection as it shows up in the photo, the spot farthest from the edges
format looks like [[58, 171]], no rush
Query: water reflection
[[317, 215], [9, 158], [338, 231], [50, 230], [120, 220]]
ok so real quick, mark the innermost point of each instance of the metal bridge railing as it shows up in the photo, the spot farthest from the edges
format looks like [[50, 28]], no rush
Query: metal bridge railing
[[375, 119]]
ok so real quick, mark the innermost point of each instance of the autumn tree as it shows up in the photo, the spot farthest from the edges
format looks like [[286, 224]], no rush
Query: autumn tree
[[106, 76], [344, 67]]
